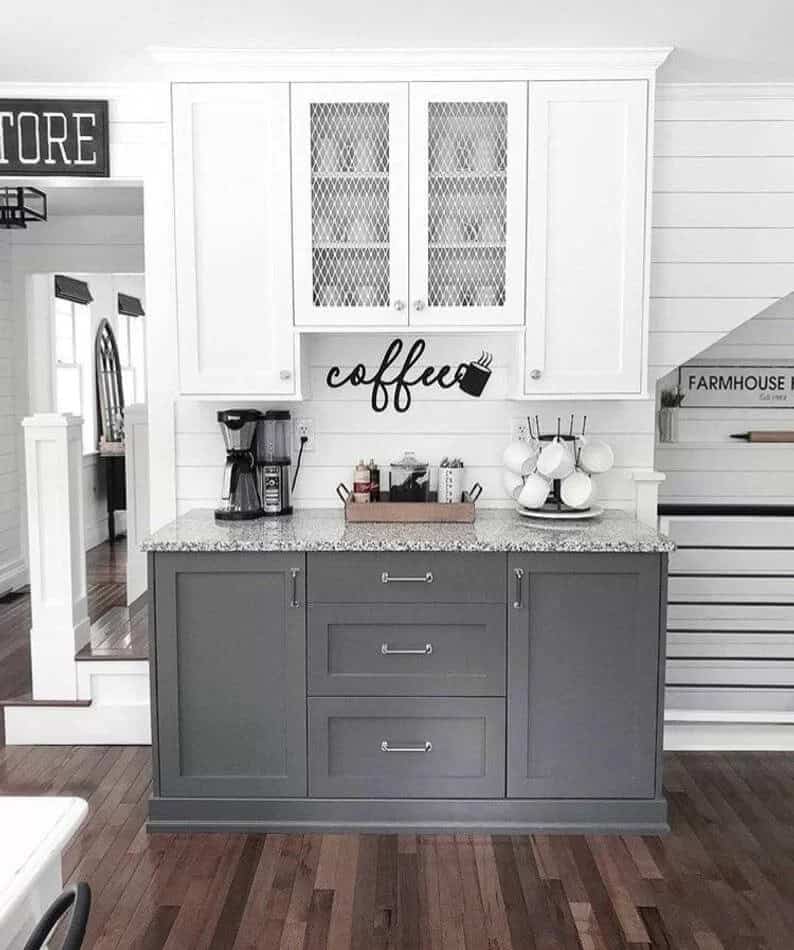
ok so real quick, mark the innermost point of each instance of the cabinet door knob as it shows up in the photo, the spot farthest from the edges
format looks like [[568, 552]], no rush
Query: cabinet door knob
[[399, 305], [535, 374], [419, 305], [285, 374]]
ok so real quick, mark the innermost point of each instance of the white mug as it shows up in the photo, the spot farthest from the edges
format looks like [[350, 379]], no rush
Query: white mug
[[556, 460], [595, 456], [520, 457], [577, 490], [513, 484], [535, 491]]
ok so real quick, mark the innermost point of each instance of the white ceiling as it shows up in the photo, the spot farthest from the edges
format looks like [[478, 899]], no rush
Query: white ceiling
[[88, 199], [715, 40]]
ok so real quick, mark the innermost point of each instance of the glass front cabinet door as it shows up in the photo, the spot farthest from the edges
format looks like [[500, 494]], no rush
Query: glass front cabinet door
[[468, 187], [350, 203]]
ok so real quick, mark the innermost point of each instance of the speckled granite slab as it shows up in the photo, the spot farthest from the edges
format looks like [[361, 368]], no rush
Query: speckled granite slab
[[326, 530]]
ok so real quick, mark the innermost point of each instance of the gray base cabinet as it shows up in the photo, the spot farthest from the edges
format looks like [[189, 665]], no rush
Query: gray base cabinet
[[231, 667], [584, 676], [401, 691]]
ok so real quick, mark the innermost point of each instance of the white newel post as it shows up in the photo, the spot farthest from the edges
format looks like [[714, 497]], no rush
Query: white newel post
[[56, 547], [136, 438], [646, 495]]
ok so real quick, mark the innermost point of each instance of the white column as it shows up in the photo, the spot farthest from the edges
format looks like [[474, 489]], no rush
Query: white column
[[56, 549], [646, 495], [136, 440]]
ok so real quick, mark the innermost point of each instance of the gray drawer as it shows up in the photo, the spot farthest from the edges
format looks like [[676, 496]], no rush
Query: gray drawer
[[407, 578], [406, 748], [407, 650]]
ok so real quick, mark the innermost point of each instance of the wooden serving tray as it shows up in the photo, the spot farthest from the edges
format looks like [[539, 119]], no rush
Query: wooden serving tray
[[409, 512]]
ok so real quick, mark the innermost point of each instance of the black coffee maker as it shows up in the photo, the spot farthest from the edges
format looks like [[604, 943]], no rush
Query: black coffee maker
[[240, 499]]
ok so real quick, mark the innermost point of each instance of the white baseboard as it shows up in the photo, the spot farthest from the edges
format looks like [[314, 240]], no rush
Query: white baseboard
[[77, 725], [681, 736], [13, 575], [118, 714]]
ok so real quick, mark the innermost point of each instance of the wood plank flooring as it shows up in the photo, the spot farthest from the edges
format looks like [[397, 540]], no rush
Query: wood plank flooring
[[723, 880]]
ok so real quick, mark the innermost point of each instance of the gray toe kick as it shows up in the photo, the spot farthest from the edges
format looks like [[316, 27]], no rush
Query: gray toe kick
[[417, 816]]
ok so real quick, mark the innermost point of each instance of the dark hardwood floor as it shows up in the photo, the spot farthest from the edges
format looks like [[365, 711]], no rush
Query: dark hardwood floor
[[723, 880]]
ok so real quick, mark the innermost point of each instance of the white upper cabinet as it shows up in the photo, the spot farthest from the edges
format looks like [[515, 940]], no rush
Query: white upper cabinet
[[468, 181], [586, 238], [233, 238], [350, 204]]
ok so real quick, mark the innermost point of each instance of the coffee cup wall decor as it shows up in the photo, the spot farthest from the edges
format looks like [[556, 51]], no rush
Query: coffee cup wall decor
[[552, 474]]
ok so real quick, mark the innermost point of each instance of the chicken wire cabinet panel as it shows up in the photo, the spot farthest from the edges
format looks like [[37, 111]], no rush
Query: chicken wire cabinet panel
[[350, 203], [233, 238], [468, 180], [586, 238]]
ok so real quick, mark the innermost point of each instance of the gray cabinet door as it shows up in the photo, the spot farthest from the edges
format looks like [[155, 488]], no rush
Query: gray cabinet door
[[583, 675], [231, 667]]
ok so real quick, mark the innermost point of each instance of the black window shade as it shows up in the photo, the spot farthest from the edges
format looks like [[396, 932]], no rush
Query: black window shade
[[69, 288], [130, 306]]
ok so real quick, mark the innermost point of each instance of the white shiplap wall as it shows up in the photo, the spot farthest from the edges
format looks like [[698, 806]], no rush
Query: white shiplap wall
[[11, 565], [724, 251], [723, 215], [438, 423]]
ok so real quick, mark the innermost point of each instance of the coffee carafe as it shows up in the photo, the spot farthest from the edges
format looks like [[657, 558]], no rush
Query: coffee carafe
[[240, 500]]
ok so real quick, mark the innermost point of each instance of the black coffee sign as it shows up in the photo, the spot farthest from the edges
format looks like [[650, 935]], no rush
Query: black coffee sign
[[54, 137], [393, 379]]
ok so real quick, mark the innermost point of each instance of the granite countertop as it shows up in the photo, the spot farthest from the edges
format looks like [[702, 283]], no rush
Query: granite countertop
[[325, 530]]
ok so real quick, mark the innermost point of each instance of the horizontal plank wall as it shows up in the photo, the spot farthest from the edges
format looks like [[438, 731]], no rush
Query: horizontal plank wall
[[723, 251], [12, 570], [439, 423], [723, 213]]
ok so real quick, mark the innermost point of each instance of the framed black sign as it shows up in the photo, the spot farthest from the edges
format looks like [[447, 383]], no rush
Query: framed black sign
[[737, 386], [54, 137]]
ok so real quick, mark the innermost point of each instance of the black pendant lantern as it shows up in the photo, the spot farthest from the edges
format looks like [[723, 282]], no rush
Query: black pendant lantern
[[18, 205]]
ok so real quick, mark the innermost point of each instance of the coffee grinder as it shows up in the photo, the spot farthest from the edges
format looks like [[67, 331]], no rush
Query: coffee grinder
[[273, 451], [240, 500]]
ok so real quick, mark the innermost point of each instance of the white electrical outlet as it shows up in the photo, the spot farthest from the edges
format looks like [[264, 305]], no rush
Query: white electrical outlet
[[304, 427], [519, 430]]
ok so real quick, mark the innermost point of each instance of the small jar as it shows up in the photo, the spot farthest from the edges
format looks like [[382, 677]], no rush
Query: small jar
[[409, 479]]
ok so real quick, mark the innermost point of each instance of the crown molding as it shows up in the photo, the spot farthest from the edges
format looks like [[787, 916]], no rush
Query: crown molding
[[195, 63]]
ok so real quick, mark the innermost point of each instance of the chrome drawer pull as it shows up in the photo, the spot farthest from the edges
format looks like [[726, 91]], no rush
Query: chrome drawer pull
[[386, 650], [385, 747], [385, 578], [294, 573]]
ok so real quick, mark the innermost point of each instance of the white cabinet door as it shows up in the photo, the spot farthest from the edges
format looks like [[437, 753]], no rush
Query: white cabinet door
[[586, 237], [468, 185], [350, 203], [233, 238]]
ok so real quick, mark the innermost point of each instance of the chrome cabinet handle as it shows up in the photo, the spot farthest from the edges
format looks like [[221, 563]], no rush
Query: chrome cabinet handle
[[535, 374], [386, 578], [385, 747], [399, 305], [386, 650], [419, 305], [294, 573], [285, 374], [518, 572]]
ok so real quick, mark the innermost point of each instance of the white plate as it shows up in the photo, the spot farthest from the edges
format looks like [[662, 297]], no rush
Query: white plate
[[592, 512]]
